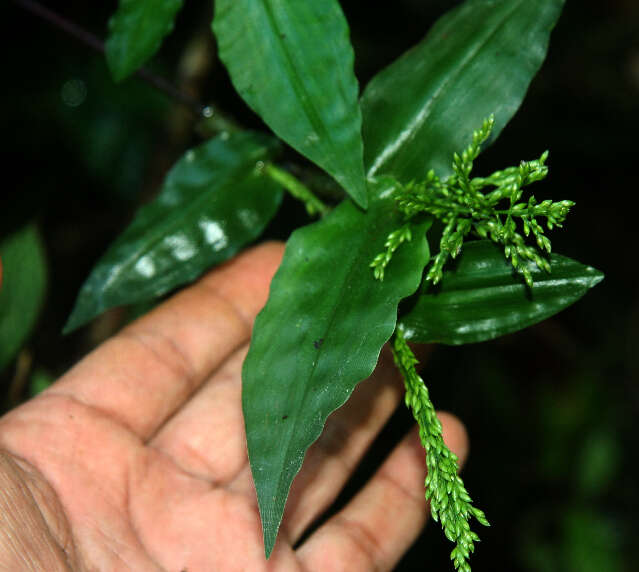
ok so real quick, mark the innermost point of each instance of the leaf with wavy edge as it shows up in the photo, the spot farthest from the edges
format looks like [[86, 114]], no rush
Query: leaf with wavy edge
[[320, 333], [480, 297], [477, 60], [213, 202], [292, 62]]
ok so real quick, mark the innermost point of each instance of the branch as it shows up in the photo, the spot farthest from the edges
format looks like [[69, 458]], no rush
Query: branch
[[97, 44]]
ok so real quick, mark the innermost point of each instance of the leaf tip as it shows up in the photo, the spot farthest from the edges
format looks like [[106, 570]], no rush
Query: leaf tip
[[597, 275], [72, 323], [117, 70], [81, 314], [359, 194], [270, 536], [268, 549]]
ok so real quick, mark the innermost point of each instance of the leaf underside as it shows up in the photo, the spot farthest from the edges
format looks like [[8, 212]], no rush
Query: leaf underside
[[320, 333], [481, 298], [136, 31], [292, 62], [213, 202], [477, 60]]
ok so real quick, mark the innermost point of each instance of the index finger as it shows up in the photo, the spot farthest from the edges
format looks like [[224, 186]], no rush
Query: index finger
[[142, 375]]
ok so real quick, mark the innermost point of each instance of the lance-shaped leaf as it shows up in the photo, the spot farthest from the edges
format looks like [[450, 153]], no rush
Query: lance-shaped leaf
[[213, 202], [481, 298], [136, 31], [477, 60], [292, 62], [319, 334], [23, 288]]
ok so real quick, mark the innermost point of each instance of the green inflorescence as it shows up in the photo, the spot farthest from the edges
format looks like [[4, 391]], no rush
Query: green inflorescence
[[466, 206], [393, 242], [488, 207], [450, 503]]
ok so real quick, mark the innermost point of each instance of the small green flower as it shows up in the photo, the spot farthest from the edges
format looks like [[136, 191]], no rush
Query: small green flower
[[487, 207]]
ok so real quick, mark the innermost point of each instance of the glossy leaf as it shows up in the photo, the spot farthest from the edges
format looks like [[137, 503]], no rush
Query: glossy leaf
[[136, 31], [477, 60], [481, 298], [24, 278], [320, 333], [213, 202], [292, 62]]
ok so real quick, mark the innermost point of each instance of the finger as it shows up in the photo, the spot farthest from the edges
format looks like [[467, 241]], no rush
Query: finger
[[206, 438], [348, 433], [145, 373], [375, 529], [347, 436]]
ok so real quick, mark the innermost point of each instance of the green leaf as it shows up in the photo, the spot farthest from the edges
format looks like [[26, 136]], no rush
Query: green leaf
[[477, 60], [292, 62], [213, 202], [136, 31], [480, 298], [320, 333], [23, 288], [40, 380]]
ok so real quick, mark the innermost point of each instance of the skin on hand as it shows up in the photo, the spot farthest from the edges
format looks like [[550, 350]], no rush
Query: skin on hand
[[136, 458]]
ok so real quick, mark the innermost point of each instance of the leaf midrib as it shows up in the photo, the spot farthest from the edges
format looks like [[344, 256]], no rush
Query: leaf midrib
[[424, 113], [347, 278], [353, 266], [298, 87]]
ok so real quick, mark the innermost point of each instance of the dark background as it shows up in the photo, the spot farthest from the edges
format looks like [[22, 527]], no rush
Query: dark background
[[551, 411]]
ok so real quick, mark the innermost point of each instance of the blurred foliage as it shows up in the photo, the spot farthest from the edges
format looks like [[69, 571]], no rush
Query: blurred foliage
[[23, 288], [39, 381], [81, 154]]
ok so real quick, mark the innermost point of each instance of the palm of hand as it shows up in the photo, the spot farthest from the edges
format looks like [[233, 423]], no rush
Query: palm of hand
[[141, 460]]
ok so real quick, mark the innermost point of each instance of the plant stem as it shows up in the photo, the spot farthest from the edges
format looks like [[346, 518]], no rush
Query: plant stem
[[314, 206], [97, 44]]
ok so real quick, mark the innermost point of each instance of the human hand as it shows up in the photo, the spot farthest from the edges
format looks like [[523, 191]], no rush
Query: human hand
[[136, 458]]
